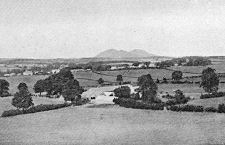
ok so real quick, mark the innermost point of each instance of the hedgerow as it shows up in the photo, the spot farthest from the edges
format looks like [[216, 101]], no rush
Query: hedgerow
[[186, 108], [213, 95], [34, 109], [131, 103]]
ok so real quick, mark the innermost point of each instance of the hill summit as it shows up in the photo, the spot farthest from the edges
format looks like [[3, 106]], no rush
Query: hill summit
[[113, 53]]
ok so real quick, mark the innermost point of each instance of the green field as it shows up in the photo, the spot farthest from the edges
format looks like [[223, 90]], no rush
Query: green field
[[128, 75], [5, 103], [15, 80], [113, 126]]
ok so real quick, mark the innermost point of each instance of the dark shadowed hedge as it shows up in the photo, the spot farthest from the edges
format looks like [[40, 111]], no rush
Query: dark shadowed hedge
[[214, 95], [210, 109], [34, 109], [221, 108], [131, 103], [186, 108]]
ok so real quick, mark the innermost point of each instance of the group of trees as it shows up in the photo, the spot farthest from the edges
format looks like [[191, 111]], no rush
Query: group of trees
[[185, 61], [119, 79], [148, 88], [62, 83]]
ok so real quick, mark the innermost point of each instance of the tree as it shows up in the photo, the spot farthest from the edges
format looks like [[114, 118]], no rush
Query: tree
[[54, 83], [100, 81], [147, 87], [210, 80], [165, 80], [177, 75], [39, 86], [22, 86], [147, 64], [122, 92], [179, 95], [157, 81], [119, 79], [22, 99], [4, 87], [136, 64], [72, 91]]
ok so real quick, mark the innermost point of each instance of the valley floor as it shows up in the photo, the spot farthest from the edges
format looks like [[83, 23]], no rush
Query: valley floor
[[112, 125]]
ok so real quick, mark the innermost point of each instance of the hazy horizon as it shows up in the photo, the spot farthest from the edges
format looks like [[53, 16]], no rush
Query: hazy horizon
[[81, 29]]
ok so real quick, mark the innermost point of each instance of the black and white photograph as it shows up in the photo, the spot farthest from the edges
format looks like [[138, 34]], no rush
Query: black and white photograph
[[112, 72]]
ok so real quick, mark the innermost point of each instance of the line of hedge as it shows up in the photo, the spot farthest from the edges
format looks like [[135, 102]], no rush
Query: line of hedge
[[193, 108], [214, 95], [34, 109], [131, 103]]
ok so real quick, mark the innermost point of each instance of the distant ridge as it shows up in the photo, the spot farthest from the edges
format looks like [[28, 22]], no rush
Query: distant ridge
[[113, 53]]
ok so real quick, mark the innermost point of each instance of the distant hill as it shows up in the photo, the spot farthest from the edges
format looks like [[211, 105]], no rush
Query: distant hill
[[113, 53]]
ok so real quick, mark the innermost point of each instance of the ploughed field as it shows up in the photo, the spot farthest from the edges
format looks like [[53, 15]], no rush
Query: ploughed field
[[112, 125]]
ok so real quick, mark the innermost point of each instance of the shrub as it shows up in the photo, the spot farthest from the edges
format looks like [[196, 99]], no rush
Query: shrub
[[11, 113], [179, 98], [34, 109], [221, 108], [213, 95], [210, 109], [187, 108], [123, 92], [131, 103]]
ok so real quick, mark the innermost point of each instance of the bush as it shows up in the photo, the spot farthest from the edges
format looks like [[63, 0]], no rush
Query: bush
[[187, 108], [11, 113], [131, 103], [179, 98], [210, 109], [213, 95], [123, 92], [221, 108], [34, 109]]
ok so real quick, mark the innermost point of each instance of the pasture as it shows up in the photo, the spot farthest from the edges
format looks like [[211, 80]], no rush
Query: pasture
[[89, 79], [15, 80], [112, 125]]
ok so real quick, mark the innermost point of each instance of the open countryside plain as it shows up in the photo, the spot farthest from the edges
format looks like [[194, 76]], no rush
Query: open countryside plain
[[112, 125]]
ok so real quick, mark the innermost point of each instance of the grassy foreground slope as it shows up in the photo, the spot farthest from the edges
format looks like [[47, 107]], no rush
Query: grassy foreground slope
[[113, 126]]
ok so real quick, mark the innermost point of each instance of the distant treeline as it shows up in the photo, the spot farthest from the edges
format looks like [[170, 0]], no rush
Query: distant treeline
[[185, 61]]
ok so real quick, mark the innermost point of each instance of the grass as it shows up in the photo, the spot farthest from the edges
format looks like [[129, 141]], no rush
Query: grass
[[156, 73], [113, 126], [5, 103], [29, 80], [211, 102]]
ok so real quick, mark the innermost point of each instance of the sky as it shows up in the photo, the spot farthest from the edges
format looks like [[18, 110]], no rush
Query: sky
[[83, 28]]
